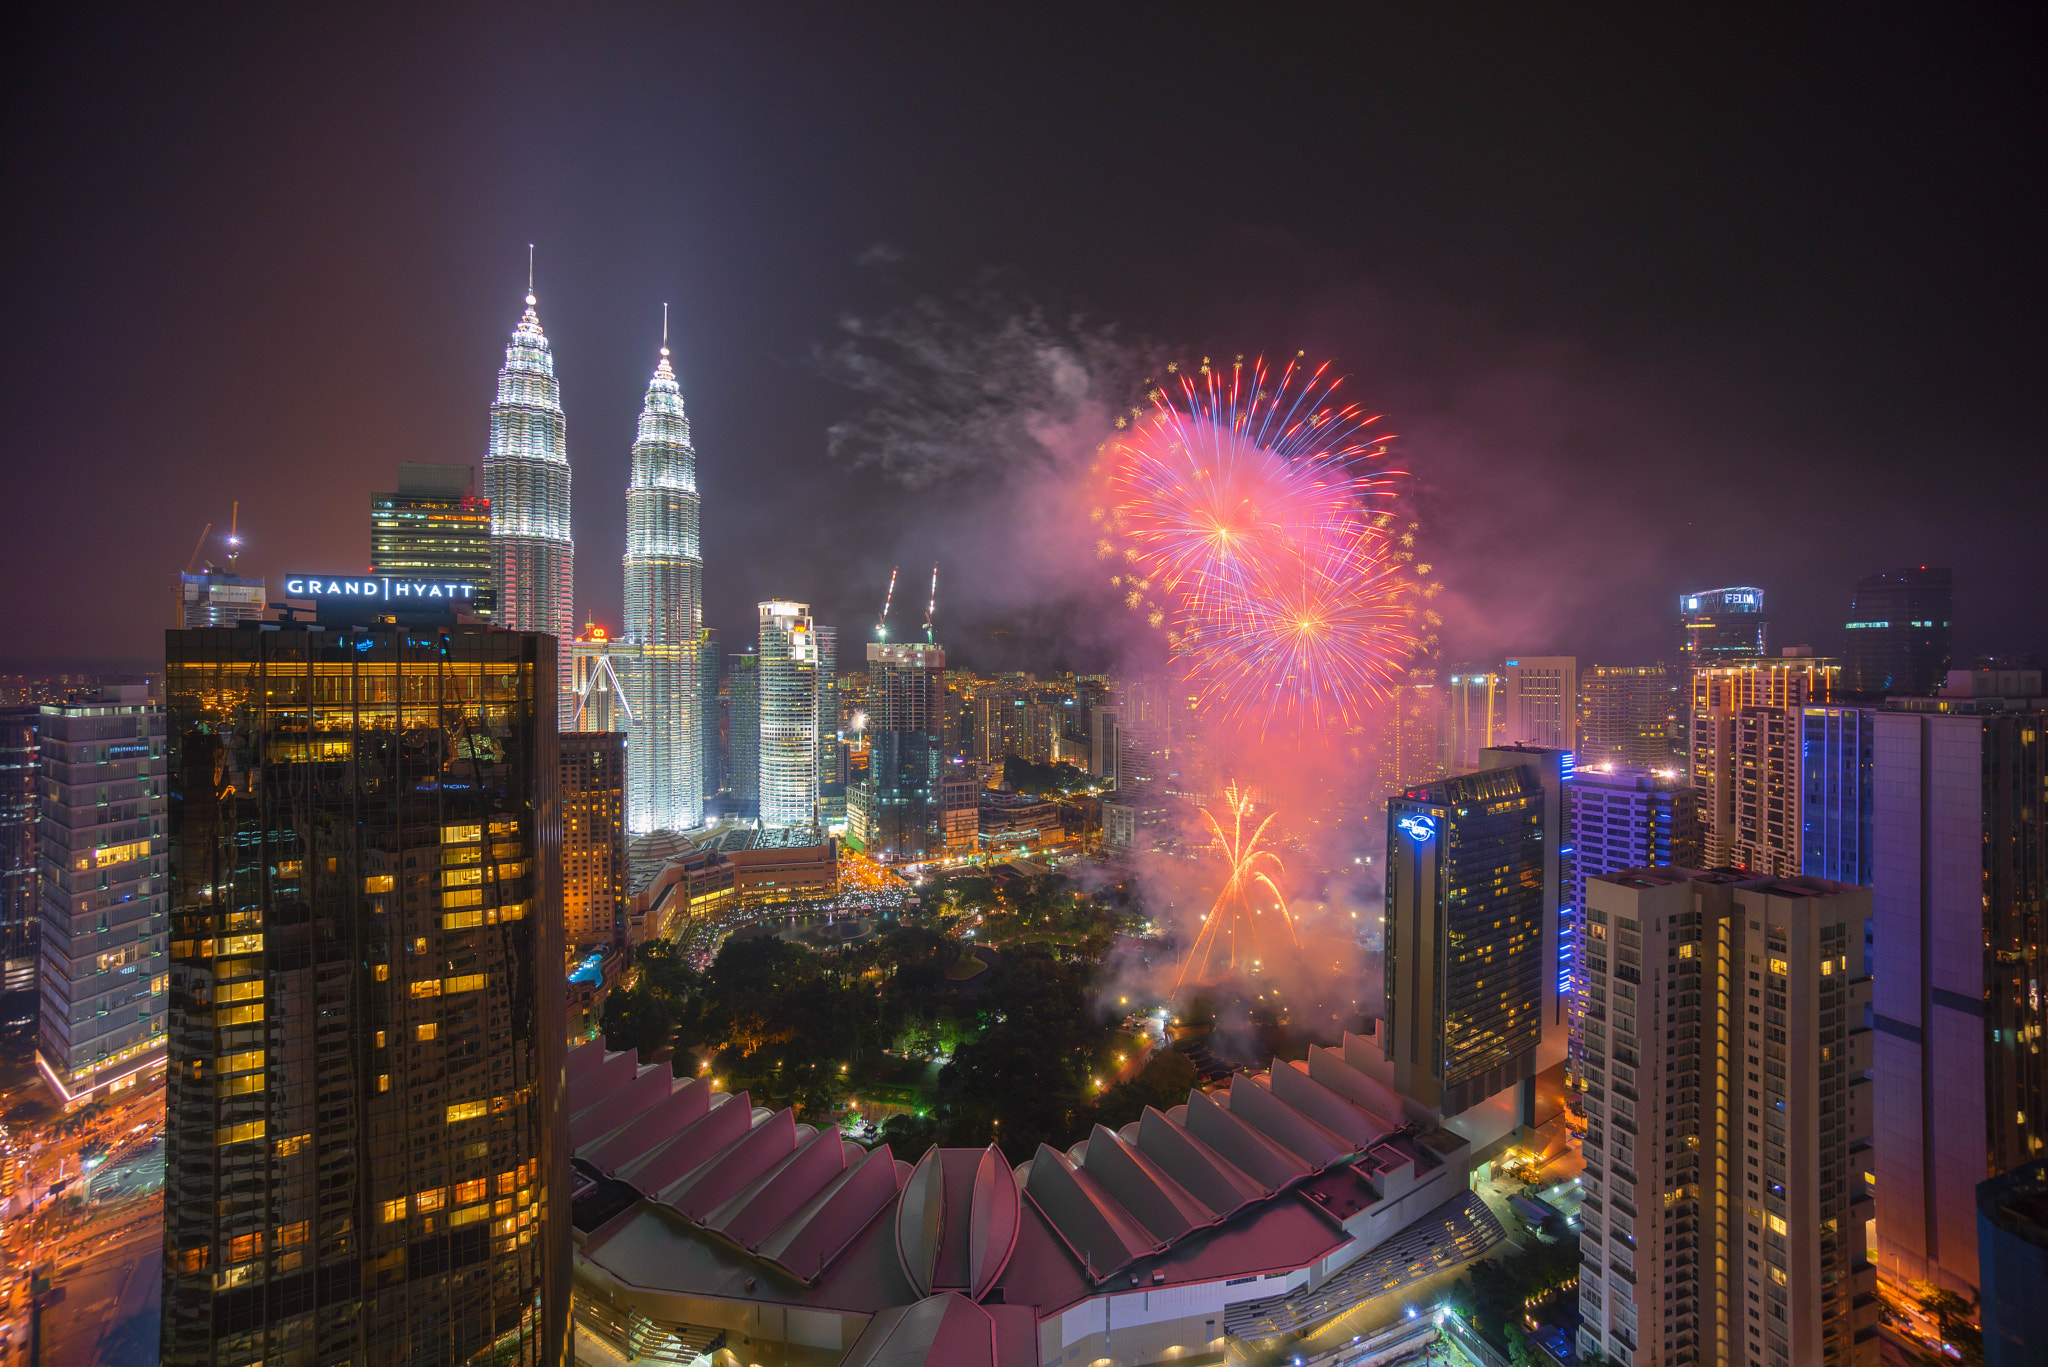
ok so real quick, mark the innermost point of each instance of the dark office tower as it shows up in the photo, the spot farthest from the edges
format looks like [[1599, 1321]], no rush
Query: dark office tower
[[433, 526], [894, 810], [593, 768], [1838, 800], [1472, 934], [365, 1158], [708, 708], [1625, 716], [743, 731], [2012, 1256], [825, 701], [18, 736], [1721, 626], [1900, 640], [1960, 905]]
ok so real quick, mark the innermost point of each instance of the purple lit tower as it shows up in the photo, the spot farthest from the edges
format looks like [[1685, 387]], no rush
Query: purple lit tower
[[526, 478]]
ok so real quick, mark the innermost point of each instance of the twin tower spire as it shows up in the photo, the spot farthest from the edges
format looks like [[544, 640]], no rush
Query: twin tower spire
[[526, 478]]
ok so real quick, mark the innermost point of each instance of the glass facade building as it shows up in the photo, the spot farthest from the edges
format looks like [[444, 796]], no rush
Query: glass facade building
[[1899, 637], [19, 810], [789, 715], [526, 480], [1471, 934], [364, 1155], [664, 567], [593, 835], [893, 810], [433, 526], [100, 881], [1721, 626], [743, 731]]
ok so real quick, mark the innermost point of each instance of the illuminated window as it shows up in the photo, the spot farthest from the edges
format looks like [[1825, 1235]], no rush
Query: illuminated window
[[383, 1082], [1779, 967], [461, 920], [460, 835], [465, 982], [193, 1259], [430, 988], [1777, 1223], [241, 944], [292, 1235], [466, 1192], [242, 1015], [244, 1247], [469, 1215], [515, 912], [293, 1144], [236, 992], [461, 878], [393, 1210], [427, 1031], [380, 1039], [236, 1134], [378, 882], [507, 1181], [383, 972], [430, 1200], [468, 1110], [237, 1063], [239, 1086]]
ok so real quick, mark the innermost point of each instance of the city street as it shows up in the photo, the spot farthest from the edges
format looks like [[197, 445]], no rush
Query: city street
[[107, 1292]]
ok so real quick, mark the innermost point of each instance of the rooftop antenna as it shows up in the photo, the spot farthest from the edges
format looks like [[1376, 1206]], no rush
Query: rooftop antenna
[[931, 604], [529, 268], [234, 535], [882, 622], [664, 328]]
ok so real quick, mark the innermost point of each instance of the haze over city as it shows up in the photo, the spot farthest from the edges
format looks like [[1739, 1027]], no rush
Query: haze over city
[[823, 685]]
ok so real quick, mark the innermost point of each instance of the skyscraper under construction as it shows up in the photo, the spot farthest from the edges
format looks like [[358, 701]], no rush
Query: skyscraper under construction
[[664, 614], [526, 480]]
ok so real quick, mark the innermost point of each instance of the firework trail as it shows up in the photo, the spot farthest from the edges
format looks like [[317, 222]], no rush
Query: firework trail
[[1234, 923], [1250, 517]]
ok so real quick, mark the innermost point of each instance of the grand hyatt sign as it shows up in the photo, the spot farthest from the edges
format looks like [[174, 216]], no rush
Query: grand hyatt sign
[[377, 588]]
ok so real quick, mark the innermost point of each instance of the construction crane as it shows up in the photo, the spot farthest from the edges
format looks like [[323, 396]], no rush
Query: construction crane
[[193, 563], [931, 604], [234, 535], [882, 622]]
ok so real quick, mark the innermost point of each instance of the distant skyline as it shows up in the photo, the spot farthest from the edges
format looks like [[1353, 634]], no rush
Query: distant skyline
[[1656, 302]]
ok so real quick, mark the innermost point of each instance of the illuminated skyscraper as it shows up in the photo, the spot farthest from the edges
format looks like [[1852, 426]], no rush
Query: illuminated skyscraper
[[431, 527], [1543, 701], [101, 884], [664, 611], [1625, 716], [1746, 728], [1476, 717], [526, 479], [789, 715], [1472, 953], [365, 1152], [1721, 626], [827, 702]]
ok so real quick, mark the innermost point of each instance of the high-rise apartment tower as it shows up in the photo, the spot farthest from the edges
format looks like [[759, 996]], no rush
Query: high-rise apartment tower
[[1543, 701], [1728, 1122], [1625, 716], [1720, 626]]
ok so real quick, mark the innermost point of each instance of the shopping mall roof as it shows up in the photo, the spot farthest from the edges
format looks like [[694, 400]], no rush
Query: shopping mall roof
[[684, 1189]]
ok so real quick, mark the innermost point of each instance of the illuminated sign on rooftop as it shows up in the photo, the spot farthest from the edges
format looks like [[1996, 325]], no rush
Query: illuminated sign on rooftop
[[1418, 827], [376, 588]]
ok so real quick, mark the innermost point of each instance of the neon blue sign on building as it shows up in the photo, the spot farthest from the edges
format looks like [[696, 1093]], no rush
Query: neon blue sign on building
[[1418, 828]]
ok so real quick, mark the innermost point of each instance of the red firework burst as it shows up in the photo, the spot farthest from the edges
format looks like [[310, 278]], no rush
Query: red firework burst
[[1250, 516]]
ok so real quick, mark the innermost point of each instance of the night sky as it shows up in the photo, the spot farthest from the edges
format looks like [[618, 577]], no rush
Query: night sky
[[1656, 303]]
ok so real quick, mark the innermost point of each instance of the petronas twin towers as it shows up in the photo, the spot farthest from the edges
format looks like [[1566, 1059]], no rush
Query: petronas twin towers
[[526, 478]]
